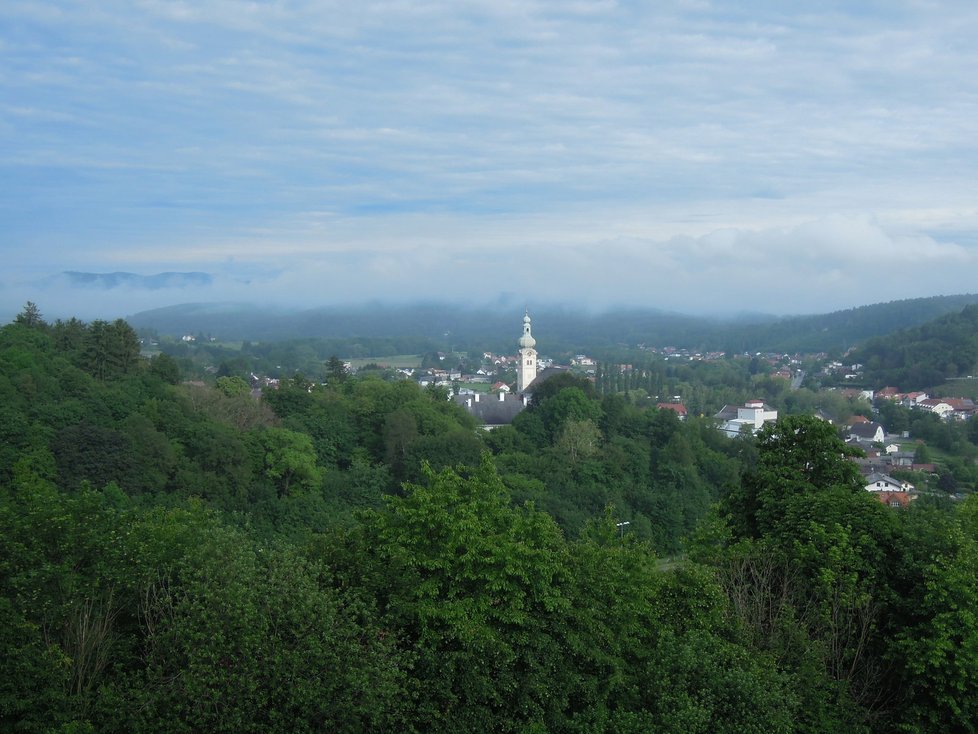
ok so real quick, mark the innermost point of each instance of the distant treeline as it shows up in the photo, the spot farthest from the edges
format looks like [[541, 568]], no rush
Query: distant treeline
[[455, 327]]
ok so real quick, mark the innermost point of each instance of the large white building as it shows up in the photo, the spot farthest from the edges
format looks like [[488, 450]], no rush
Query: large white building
[[753, 414]]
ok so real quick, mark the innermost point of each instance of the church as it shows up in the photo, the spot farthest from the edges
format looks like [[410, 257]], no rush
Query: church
[[499, 410], [526, 372]]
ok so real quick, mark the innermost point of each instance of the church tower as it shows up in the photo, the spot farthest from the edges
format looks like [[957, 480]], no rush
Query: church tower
[[526, 372]]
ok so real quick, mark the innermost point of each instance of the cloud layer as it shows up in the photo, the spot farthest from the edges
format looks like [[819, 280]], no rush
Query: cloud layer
[[686, 155]]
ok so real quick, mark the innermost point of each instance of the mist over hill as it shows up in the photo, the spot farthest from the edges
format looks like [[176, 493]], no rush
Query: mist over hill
[[559, 329], [108, 281]]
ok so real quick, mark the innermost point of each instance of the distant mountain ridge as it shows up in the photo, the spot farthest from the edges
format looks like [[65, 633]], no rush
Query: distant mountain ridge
[[158, 281], [559, 329]]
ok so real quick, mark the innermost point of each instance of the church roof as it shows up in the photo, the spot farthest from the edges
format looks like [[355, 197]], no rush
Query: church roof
[[490, 410], [543, 376]]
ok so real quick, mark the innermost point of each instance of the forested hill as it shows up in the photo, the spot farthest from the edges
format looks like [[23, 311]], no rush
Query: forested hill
[[459, 327], [841, 330], [923, 356], [359, 556]]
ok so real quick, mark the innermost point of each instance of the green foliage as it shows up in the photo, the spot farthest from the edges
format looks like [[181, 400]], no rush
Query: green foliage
[[166, 368], [30, 317], [233, 386], [289, 459], [926, 355], [475, 585], [348, 557]]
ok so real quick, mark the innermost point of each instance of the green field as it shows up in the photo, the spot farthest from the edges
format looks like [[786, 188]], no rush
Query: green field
[[476, 386], [398, 361], [963, 388]]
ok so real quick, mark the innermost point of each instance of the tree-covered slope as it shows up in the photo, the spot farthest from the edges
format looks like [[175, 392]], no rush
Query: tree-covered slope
[[923, 356], [417, 327], [359, 556]]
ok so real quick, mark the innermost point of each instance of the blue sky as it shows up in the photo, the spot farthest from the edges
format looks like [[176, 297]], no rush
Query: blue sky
[[695, 156]]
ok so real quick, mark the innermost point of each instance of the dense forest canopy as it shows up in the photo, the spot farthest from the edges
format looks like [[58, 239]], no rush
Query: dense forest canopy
[[359, 556], [923, 356]]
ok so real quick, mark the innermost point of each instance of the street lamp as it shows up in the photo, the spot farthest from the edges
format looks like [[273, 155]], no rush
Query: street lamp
[[621, 526]]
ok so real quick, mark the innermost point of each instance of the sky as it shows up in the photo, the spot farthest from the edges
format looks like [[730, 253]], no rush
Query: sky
[[688, 155]]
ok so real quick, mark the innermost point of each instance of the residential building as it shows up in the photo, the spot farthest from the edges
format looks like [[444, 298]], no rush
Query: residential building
[[878, 482], [677, 408], [750, 416], [869, 432]]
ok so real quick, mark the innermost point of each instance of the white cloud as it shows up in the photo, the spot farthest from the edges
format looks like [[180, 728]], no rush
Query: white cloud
[[580, 150]]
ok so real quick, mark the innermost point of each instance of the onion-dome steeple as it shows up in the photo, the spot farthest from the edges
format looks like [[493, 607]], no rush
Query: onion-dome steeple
[[527, 341]]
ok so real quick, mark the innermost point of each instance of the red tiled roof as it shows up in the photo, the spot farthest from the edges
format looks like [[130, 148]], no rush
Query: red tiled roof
[[893, 499]]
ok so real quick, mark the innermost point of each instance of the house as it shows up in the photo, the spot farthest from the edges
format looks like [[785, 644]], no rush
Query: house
[[869, 432], [870, 451], [878, 482], [912, 398], [750, 416], [902, 458], [678, 408], [896, 499], [499, 387], [938, 406], [823, 416], [964, 408]]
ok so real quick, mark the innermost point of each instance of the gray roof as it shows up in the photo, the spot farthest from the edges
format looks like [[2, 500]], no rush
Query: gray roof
[[543, 376], [489, 410], [865, 430], [880, 477], [727, 413]]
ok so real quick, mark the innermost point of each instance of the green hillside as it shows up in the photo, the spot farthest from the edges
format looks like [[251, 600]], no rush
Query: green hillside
[[359, 556], [923, 356]]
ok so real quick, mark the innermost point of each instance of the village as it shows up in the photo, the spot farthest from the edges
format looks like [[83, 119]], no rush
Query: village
[[894, 463]]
